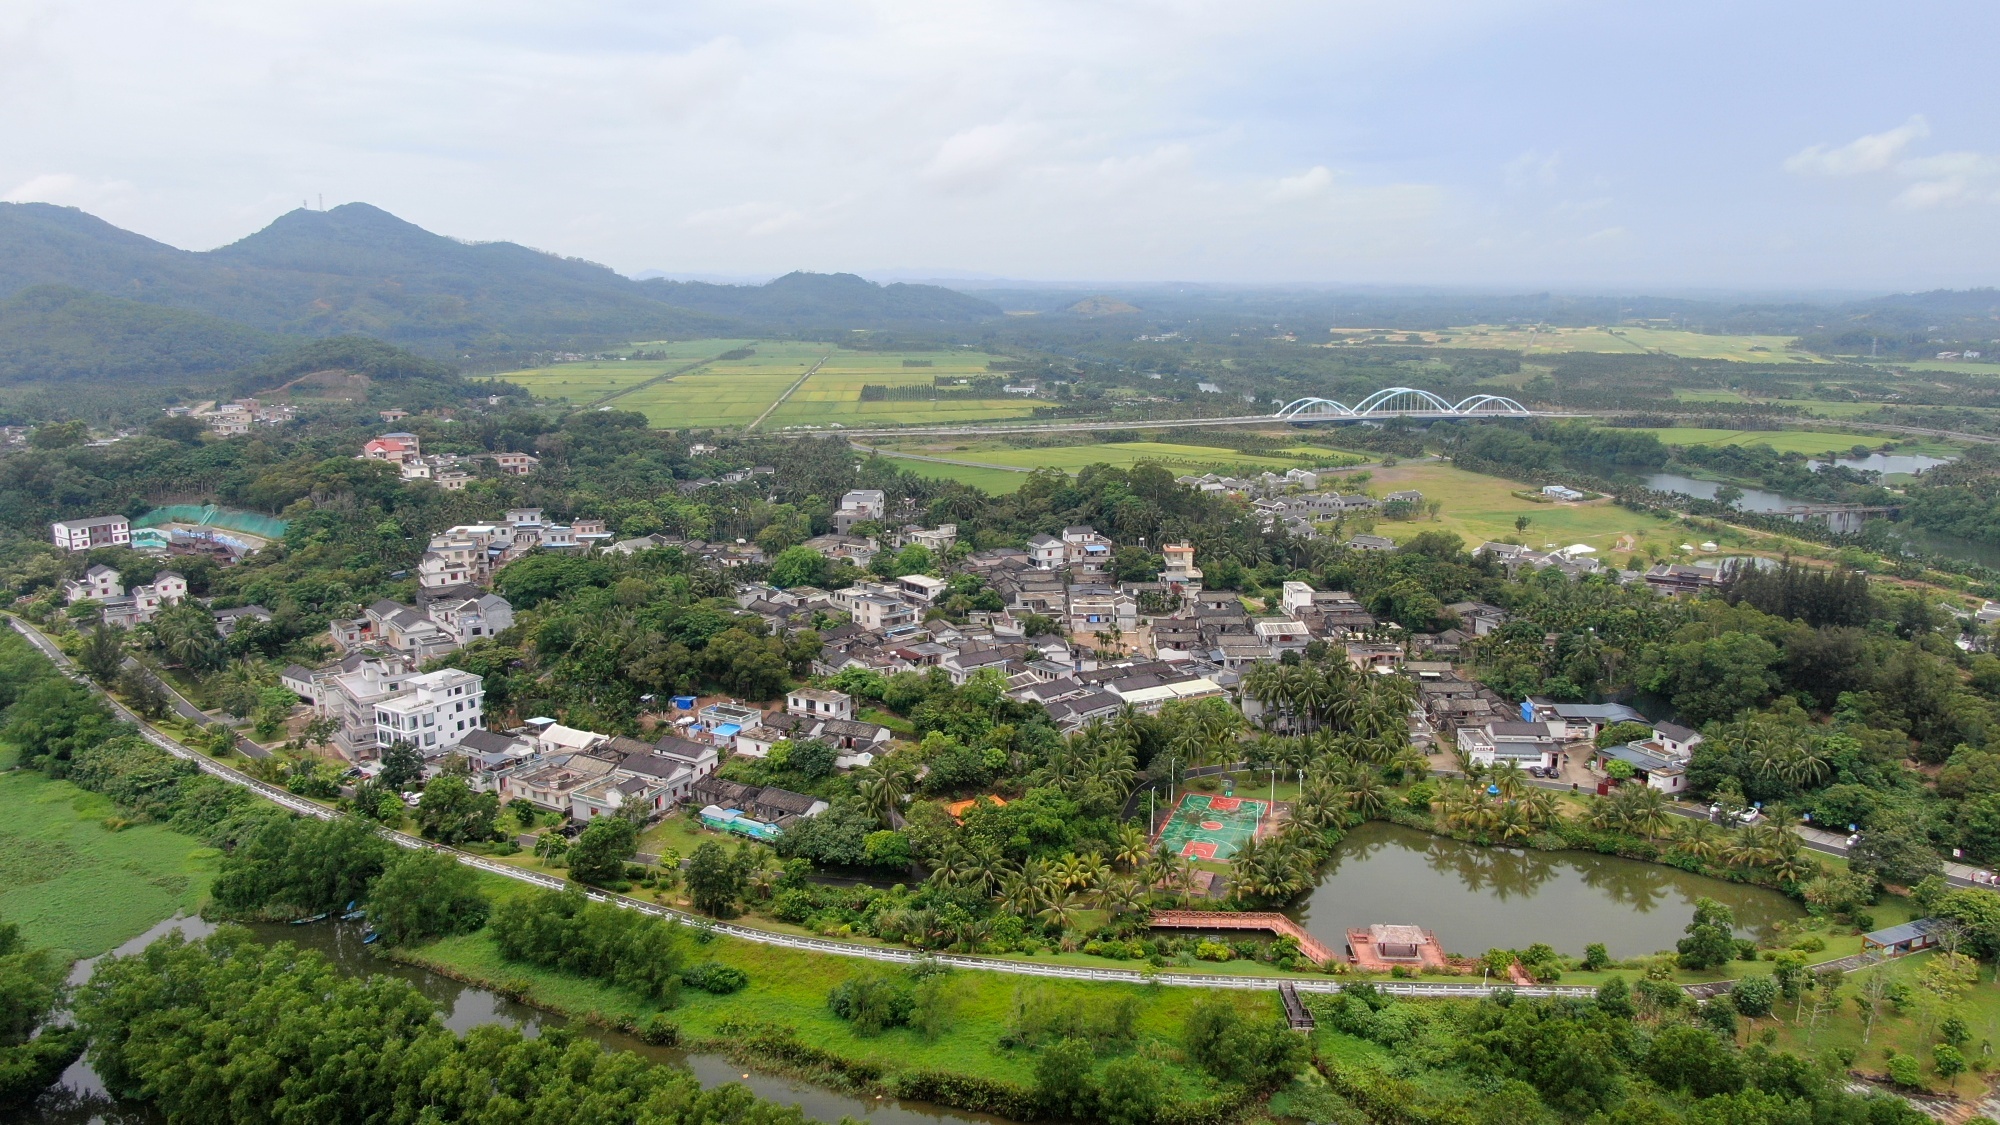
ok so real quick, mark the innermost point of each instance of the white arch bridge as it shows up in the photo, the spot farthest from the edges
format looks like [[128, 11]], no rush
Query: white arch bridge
[[1401, 402]]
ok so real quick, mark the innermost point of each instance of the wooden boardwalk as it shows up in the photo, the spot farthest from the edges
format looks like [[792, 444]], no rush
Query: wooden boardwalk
[[1295, 1010], [1235, 920]]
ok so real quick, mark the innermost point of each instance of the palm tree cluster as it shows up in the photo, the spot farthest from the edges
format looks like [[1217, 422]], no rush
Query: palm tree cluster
[[1095, 766], [1053, 891], [1778, 751], [1331, 694], [1505, 808], [1639, 810]]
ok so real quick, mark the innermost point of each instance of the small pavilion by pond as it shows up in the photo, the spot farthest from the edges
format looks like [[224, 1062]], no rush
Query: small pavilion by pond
[[1906, 938]]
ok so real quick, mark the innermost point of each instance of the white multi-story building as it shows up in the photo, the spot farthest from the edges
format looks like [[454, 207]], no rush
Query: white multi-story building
[[99, 583], [98, 531], [350, 697], [474, 618], [859, 505], [433, 712]]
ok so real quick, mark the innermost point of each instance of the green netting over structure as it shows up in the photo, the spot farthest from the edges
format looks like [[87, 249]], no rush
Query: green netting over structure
[[1205, 827], [208, 515]]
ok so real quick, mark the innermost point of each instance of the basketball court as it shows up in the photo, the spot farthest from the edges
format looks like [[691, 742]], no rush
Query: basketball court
[[1206, 827]]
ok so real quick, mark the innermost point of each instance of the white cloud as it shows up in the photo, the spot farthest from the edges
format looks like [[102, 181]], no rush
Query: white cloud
[[1533, 168], [1312, 182], [975, 157], [1874, 152]]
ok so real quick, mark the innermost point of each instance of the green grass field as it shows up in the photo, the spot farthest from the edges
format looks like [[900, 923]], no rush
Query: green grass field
[[735, 392], [1954, 366], [833, 394], [583, 382], [998, 482], [1480, 507], [73, 884], [1630, 340], [1784, 441], [1124, 454], [790, 987]]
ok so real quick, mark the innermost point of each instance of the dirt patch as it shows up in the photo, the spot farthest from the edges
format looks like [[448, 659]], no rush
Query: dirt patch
[[335, 385]]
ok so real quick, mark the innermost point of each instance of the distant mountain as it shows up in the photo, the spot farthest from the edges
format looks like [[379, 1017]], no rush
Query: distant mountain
[[1102, 306], [56, 333], [359, 269], [813, 300]]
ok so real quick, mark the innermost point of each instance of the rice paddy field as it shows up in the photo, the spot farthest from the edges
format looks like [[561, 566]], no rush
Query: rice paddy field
[[735, 392], [72, 882], [587, 381], [1556, 341]]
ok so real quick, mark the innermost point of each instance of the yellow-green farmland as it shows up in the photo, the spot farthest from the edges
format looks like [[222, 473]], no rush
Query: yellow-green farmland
[[1537, 340], [736, 391]]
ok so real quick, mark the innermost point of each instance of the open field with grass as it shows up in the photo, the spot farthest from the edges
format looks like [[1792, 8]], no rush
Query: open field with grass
[[998, 482], [1124, 454], [790, 988], [1954, 366], [75, 884], [592, 379], [833, 394], [1629, 340], [1784, 441], [1480, 507], [734, 392]]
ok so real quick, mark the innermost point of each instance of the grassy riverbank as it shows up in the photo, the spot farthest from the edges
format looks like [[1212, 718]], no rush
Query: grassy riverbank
[[75, 878], [788, 989]]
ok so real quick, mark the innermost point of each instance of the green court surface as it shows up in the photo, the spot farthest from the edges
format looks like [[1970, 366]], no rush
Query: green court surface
[[1205, 827]]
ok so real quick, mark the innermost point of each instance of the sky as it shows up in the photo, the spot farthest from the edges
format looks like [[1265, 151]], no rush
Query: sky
[[1479, 143]]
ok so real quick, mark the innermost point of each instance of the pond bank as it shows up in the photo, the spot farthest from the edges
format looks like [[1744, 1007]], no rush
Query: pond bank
[[79, 1098]]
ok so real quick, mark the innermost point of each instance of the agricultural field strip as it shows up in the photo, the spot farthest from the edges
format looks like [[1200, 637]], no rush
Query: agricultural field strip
[[780, 400], [935, 460], [816, 945], [660, 378]]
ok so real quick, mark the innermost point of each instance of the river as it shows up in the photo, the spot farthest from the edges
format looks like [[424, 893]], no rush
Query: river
[[1477, 898], [1916, 538], [79, 1099]]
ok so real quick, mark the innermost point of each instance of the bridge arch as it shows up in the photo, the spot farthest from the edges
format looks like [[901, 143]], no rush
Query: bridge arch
[[1299, 406], [1490, 404], [1404, 400]]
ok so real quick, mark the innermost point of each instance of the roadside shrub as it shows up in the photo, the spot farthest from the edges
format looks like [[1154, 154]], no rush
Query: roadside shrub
[[873, 1003], [715, 977]]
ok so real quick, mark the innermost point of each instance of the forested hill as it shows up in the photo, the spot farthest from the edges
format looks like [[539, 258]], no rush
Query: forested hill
[[61, 332], [359, 269], [824, 300]]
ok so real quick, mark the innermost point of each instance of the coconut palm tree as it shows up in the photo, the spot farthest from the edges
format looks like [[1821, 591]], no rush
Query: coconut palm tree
[[1511, 822], [1510, 778], [1019, 895], [1789, 862], [1699, 839], [1130, 847], [1121, 896], [1540, 806], [1410, 762], [883, 787], [1367, 795], [1747, 847], [1060, 909]]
